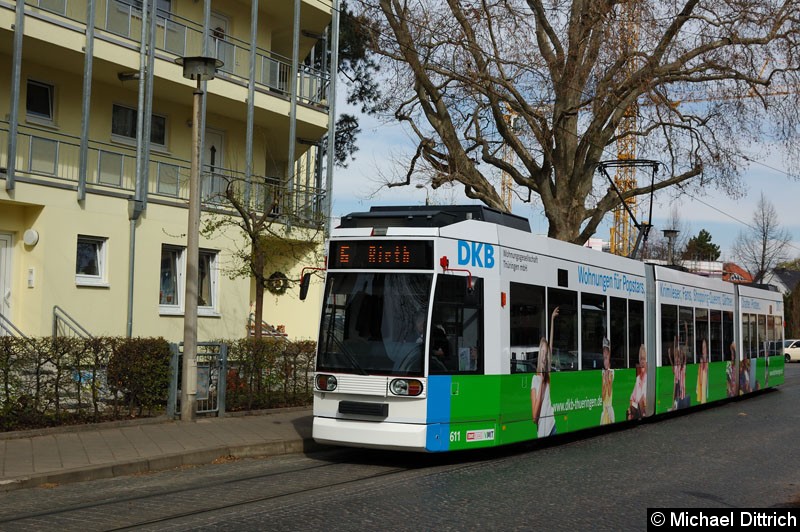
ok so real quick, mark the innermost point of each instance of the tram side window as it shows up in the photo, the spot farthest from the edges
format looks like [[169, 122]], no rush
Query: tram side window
[[565, 328], [772, 350], [746, 334], [686, 334], [727, 334], [715, 342], [527, 325], [635, 331], [762, 334], [669, 334], [593, 330], [619, 333], [701, 326], [777, 336], [456, 339]]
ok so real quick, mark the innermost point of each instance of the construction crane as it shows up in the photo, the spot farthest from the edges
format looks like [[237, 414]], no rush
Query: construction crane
[[506, 183], [622, 234]]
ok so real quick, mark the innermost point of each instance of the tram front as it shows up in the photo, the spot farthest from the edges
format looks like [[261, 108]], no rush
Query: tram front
[[370, 385]]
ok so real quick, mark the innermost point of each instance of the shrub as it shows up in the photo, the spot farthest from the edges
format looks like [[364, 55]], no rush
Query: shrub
[[139, 369]]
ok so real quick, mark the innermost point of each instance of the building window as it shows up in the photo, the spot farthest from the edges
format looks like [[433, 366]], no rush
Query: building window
[[123, 124], [39, 101], [172, 287], [90, 263], [171, 278], [207, 282]]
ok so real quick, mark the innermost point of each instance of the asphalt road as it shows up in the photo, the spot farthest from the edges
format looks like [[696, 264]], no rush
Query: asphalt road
[[734, 455]]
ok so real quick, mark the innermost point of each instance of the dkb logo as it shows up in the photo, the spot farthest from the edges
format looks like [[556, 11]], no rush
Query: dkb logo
[[476, 254]]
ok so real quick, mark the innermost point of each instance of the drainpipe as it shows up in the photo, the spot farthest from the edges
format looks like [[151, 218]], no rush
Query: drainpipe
[[139, 189], [334, 69], [16, 73], [135, 208], [251, 91], [87, 97], [204, 95], [148, 104], [291, 166]]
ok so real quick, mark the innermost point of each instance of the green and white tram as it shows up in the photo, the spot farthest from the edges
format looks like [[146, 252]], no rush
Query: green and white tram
[[449, 328]]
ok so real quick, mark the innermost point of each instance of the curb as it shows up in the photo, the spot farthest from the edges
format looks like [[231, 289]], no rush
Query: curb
[[84, 427], [161, 463]]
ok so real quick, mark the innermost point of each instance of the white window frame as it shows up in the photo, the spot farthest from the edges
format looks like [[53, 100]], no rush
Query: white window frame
[[131, 140], [178, 307], [213, 273], [100, 279], [175, 308], [38, 118]]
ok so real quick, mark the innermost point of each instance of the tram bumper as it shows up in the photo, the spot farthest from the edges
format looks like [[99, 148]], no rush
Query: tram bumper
[[370, 434]]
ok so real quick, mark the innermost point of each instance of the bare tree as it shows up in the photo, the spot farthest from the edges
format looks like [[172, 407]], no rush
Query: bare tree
[[764, 244], [579, 77], [267, 217]]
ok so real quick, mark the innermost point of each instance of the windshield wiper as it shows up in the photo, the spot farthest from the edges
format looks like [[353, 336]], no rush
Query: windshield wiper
[[345, 352]]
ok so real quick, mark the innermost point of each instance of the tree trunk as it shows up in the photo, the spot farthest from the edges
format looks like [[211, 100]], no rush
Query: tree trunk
[[258, 275]]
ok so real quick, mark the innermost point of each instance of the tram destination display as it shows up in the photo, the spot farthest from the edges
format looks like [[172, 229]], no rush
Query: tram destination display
[[381, 254]]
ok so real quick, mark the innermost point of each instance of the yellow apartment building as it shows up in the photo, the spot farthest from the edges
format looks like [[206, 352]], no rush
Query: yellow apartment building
[[93, 194]]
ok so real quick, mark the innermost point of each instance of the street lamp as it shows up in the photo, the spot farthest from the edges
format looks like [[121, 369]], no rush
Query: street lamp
[[200, 69], [670, 235], [427, 198]]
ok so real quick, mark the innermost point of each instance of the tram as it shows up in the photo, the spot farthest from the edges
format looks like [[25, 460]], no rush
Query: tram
[[454, 327]]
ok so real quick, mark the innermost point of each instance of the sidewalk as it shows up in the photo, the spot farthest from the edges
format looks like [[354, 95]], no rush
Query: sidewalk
[[88, 452]]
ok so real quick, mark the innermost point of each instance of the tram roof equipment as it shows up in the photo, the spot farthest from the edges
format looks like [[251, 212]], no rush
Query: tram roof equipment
[[432, 216]]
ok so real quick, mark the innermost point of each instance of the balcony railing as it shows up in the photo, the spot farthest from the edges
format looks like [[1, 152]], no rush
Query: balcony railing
[[112, 167], [183, 37]]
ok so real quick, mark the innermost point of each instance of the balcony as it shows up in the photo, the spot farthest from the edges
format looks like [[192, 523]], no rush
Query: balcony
[[179, 36], [111, 169]]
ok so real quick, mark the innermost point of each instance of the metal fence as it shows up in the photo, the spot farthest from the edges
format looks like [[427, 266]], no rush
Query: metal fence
[[212, 362]]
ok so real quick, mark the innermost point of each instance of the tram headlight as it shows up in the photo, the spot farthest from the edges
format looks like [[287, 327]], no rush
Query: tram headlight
[[410, 387], [326, 383]]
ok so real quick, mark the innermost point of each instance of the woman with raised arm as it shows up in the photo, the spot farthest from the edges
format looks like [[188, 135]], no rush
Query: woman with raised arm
[[541, 406]]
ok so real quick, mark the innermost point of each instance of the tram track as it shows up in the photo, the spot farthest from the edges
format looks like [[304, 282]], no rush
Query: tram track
[[161, 493], [253, 500], [161, 506]]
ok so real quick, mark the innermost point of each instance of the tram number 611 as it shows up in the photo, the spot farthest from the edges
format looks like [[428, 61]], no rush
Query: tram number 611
[[455, 436]]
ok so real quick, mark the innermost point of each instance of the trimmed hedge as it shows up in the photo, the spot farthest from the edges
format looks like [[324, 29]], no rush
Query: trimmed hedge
[[268, 373], [139, 371], [47, 382]]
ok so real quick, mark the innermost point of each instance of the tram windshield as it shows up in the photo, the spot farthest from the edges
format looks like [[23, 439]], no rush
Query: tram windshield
[[373, 323]]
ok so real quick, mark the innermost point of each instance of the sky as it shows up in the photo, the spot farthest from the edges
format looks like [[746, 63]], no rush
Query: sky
[[358, 187]]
